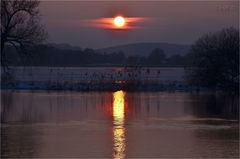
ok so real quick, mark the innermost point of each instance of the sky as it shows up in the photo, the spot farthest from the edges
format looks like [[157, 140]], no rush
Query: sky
[[181, 22]]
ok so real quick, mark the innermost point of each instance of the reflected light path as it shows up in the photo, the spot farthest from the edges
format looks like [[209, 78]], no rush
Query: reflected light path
[[118, 125]]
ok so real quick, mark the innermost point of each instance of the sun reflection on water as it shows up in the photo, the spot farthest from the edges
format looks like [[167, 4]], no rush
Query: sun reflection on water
[[118, 127]]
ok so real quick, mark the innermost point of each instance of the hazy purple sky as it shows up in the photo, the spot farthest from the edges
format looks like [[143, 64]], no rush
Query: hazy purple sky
[[173, 22]]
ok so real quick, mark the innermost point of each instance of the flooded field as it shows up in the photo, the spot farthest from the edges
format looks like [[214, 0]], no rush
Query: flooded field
[[98, 74], [118, 125]]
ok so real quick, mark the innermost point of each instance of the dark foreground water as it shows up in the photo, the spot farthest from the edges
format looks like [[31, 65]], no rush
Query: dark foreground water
[[118, 125]]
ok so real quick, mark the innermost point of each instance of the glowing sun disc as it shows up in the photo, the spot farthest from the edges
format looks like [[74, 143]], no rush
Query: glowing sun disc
[[119, 21]]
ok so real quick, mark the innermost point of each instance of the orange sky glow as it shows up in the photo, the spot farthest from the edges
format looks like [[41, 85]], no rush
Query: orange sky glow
[[108, 23]]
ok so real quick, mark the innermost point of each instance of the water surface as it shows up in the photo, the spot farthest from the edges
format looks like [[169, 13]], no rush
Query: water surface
[[118, 124]]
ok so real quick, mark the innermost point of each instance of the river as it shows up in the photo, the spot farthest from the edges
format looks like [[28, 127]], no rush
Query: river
[[118, 124]]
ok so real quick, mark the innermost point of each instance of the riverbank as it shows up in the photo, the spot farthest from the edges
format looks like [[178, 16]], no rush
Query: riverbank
[[103, 86], [100, 79]]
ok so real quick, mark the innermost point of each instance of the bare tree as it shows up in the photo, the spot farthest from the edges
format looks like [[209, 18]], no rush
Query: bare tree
[[215, 60], [20, 26]]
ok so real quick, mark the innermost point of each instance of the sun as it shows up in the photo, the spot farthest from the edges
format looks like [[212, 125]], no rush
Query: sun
[[119, 21]]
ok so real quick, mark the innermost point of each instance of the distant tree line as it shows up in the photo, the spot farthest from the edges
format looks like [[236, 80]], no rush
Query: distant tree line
[[46, 55]]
